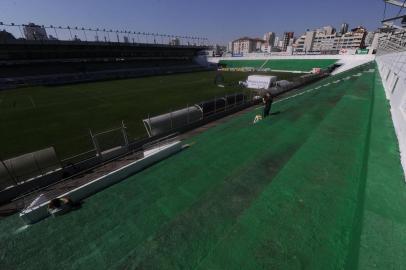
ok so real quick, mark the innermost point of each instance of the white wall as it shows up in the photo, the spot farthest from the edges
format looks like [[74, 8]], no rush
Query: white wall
[[392, 68]]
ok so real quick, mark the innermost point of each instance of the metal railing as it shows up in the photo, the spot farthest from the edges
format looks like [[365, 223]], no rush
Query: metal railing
[[11, 33], [113, 143], [392, 41]]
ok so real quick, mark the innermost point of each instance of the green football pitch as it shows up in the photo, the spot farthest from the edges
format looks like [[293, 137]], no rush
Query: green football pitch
[[32, 118]]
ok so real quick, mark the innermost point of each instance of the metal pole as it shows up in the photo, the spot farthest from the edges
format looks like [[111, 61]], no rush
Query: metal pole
[[70, 33], [124, 128], [36, 164], [56, 34], [21, 32], [9, 173], [95, 144]]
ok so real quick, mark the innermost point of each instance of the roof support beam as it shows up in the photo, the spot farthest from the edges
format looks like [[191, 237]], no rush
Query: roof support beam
[[396, 3]]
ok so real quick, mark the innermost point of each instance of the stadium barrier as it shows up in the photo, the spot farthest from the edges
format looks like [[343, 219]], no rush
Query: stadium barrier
[[175, 120], [391, 62], [107, 146]]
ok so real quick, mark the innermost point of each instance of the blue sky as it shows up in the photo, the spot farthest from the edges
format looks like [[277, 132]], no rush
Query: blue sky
[[219, 20]]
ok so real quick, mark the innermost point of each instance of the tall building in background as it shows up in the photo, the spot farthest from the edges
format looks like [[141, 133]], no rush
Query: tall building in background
[[276, 43], [246, 45], [326, 40], [286, 39], [174, 42], [344, 28], [230, 47], [308, 41], [35, 32], [329, 30], [269, 38]]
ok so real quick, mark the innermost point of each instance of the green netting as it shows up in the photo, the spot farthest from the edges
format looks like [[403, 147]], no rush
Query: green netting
[[288, 65], [281, 194]]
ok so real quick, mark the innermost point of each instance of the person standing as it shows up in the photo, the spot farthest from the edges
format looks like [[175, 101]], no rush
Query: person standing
[[267, 100]]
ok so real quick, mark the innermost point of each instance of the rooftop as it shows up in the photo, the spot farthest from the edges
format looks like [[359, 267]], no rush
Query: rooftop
[[318, 185]]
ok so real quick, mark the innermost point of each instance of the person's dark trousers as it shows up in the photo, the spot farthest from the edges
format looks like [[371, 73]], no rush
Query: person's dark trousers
[[267, 109]]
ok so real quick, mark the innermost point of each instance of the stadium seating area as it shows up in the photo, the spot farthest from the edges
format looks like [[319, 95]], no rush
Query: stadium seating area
[[64, 63], [303, 65]]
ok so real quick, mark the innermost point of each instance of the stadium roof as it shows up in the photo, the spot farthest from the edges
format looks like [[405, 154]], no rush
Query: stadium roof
[[318, 185]]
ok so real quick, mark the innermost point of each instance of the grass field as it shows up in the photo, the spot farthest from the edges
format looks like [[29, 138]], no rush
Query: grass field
[[36, 117], [317, 186]]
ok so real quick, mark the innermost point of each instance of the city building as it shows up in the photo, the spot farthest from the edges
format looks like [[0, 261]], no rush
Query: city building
[[327, 30], [174, 42], [276, 43], [215, 50], [344, 28], [35, 32], [230, 47], [246, 45], [286, 40], [326, 40], [269, 38]]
